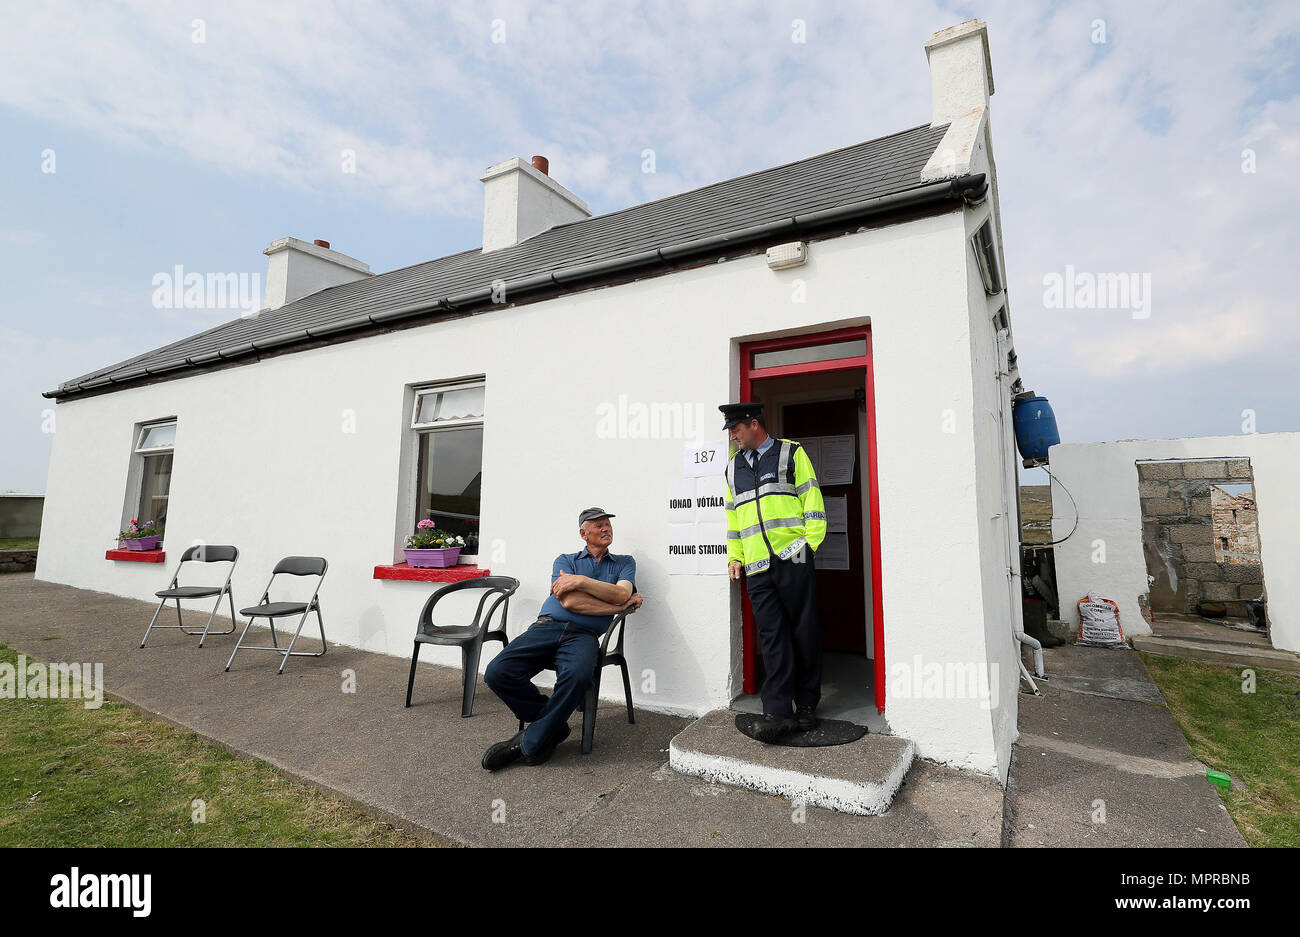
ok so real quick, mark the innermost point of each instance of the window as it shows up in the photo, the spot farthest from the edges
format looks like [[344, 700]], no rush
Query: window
[[152, 474], [449, 422], [808, 353]]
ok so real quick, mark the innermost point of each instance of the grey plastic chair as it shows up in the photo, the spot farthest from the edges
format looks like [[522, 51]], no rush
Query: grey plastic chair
[[202, 553], [289, 566], [469, 638], [607, 658]]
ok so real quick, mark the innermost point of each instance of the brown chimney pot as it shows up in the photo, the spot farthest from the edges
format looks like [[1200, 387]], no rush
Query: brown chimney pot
[[319, 243], [542, 165]]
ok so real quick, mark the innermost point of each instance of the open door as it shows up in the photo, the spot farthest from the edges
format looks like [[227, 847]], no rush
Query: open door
[[818, 388]]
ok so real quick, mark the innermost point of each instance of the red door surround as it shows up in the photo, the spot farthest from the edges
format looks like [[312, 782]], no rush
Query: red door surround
[[750, 374]]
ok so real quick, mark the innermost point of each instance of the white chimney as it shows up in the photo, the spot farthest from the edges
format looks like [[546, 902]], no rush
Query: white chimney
[[295, 269], [521, 200], [961, 72]]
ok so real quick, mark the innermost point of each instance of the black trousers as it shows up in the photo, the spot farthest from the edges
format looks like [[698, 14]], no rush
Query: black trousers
[[784, 597]]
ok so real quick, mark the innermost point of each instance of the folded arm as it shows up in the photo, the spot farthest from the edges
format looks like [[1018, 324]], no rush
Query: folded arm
[[584, 604], [610, 593]]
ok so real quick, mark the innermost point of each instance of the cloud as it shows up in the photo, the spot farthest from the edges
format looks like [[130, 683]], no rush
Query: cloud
[[1123, 156]]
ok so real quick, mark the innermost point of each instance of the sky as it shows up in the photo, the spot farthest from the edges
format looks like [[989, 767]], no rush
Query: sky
[[1157, 140]]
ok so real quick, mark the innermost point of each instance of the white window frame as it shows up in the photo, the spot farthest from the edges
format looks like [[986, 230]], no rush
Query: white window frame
[[419, 430], [429, 390], [135, 474]]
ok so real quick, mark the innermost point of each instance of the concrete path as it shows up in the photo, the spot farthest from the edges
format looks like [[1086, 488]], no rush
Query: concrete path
[[422, 764], [1101, 742]]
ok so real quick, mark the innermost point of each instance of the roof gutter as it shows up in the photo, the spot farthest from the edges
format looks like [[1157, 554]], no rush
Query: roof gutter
[[969, 189]]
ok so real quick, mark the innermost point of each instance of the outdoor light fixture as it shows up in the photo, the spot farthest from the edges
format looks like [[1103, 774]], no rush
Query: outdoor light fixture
[[783, 256]]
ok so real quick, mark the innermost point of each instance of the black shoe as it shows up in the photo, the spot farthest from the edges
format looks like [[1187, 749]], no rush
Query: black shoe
[[771, 729], [544, 753], [807, 718], [504, 753]]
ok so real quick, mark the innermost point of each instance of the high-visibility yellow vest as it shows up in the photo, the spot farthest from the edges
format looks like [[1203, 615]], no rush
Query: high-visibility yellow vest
[[774, 511]]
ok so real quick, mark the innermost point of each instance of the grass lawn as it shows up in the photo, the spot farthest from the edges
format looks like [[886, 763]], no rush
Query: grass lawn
[[20, 543], [71, 776], [1254, 737]]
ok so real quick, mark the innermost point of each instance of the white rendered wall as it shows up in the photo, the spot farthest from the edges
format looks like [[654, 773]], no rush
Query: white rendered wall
[[548, 367], [1102, 477]]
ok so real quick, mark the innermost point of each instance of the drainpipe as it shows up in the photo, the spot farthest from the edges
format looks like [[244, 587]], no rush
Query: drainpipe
[[1013, 562]]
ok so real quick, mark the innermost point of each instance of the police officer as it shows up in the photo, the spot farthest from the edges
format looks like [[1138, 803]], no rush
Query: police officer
[[775, 520]]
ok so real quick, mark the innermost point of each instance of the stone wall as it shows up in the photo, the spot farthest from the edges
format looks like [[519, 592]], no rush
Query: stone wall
[[1236, 530], [1178, 536], [17, 561]]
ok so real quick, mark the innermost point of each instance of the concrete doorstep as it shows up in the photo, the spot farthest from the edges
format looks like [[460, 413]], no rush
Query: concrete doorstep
[[860, 777]]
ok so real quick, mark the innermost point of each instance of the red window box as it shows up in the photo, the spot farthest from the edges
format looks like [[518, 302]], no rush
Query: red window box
[[405, 573], [137, 556]]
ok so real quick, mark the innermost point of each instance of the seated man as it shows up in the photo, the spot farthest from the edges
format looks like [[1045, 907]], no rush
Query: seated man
[[587, 589]]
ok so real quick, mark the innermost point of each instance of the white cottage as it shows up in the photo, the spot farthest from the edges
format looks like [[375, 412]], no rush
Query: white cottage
[[576, 360]]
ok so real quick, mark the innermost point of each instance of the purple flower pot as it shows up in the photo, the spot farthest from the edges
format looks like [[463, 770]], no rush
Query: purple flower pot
[[445, 556], [142, 543]]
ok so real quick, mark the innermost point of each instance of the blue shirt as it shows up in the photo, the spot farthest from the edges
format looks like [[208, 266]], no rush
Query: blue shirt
[[761, 450], [611, 568]]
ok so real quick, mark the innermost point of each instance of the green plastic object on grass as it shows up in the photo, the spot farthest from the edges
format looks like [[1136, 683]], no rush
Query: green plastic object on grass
[[1220, 778]]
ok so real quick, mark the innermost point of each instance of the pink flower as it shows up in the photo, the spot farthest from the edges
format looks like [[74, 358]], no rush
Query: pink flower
[[425, 523]]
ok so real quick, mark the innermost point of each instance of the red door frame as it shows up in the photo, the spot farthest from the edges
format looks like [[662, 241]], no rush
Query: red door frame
[[750, 374]]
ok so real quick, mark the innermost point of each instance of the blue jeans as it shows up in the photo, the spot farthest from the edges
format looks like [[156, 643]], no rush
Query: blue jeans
[[558, 644]]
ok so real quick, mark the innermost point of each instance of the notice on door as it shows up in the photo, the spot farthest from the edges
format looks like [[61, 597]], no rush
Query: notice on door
[[833, 553], [838, 454], [837, 514], [832, 457]]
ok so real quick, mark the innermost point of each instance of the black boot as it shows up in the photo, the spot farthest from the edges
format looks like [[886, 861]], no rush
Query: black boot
[[807, 717], [771, 729], [504, 753]]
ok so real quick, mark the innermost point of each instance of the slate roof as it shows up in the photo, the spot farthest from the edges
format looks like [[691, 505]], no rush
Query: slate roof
[[884, 166]]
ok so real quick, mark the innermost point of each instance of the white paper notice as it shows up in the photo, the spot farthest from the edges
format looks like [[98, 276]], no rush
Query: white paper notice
[[837, 514], [812, 445], [681, 501], [710, 499], [833, 553], [711, 540], [838, 454], [683, 559], [704, 458]]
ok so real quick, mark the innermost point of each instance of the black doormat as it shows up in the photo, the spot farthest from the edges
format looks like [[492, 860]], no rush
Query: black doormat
[[827, 732]]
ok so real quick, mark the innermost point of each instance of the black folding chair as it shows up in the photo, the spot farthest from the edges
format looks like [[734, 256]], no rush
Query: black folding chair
[[607, 658], [289, 566], [469, 638], [203, 553]]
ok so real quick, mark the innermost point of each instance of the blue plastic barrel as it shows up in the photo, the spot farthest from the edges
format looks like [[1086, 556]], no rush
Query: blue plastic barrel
[[1035, 427]]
